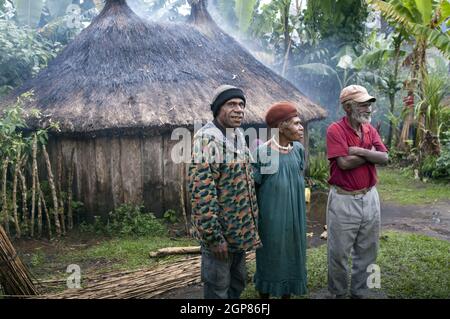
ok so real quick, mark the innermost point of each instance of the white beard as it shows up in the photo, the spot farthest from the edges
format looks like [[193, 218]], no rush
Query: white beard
[[360, 118]]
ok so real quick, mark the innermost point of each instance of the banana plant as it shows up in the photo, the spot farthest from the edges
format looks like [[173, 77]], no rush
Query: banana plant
[[423, 20], [244, 10]]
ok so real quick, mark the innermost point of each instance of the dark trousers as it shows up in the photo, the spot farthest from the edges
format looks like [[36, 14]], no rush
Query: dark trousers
[[223, 279]]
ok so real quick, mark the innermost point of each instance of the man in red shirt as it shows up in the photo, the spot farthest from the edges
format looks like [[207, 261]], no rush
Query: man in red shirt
[[354, 147]]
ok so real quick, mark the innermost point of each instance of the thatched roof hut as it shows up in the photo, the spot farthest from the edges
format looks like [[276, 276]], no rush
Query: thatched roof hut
[[123, 84]]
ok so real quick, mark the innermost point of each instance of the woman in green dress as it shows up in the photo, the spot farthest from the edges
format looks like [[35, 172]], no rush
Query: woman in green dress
[[278, 173]]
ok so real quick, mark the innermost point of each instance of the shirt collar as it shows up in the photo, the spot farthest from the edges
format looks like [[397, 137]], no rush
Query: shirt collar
[[365, 127]]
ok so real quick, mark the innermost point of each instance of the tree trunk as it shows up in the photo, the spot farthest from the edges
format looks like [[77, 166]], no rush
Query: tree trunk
[[61, 201], [183, 207], [33, 187], [287, 39], [47, 215], [409, 119], [69, 191], [39, 207], [4, 196], [397, 45], [421, 61], [53, 190], [14, 197], [23, 184]]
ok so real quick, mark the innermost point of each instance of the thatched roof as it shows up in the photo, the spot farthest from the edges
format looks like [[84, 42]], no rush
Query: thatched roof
[[122, 73]]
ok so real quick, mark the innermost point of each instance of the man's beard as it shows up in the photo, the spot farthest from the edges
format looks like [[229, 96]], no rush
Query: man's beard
[[361, 118]]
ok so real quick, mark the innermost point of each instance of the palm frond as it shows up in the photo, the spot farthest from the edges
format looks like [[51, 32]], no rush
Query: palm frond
[[396, 13]]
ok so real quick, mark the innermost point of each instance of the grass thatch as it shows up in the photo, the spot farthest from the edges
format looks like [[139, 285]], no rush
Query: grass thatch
[[122, 73]]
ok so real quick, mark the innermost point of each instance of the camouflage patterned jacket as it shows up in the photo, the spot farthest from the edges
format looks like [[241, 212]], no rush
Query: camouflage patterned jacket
[[223, 197]]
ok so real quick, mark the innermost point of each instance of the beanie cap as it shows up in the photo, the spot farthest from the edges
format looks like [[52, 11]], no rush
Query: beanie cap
[[280, 112], [223, 94]]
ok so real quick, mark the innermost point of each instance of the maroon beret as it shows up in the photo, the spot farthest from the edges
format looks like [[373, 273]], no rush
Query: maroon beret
[[280, 112]]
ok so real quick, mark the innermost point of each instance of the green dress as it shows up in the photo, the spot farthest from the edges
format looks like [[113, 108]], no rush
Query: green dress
[[281, 262]]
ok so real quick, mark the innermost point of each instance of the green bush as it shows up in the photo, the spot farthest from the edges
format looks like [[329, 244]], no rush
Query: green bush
[[23, 53], [442, 167], [318, 171], [171, 216], [428, 166], [129, 220], [438, 167]]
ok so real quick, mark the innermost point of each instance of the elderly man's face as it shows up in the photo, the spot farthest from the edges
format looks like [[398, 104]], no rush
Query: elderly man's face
[[361, 112], [231, 113]]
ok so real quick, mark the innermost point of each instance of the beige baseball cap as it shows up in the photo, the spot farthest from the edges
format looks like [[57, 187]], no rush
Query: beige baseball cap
[[355, 93]]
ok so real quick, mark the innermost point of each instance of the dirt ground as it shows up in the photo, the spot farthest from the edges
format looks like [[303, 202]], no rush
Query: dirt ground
[[430, 220]]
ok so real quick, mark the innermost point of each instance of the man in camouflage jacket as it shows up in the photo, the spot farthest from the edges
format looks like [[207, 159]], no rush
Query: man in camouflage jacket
[[224, 205]]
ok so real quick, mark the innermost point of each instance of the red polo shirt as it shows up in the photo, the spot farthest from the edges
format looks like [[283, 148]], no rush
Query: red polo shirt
[[340, 136]]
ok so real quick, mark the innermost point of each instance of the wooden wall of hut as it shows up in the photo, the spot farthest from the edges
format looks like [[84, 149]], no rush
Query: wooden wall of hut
[[110, 171]]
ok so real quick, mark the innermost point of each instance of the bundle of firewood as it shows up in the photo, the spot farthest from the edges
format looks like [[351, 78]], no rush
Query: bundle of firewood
[[140, 284], [15, 278]]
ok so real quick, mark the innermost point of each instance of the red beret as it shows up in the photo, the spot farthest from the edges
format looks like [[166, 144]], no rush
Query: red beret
[[280, 112]]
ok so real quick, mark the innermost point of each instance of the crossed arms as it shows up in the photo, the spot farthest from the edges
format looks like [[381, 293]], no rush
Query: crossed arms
[[358, 156]]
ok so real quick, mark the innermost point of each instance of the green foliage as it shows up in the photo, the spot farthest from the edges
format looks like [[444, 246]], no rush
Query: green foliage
[[445, 123], [430, 107], [171, 216], [125, 221], [442, 165], [38, 258], [400, 186], [412, 266], [129, 220], [13, 122], [421, 19], [244, 13], [318, 171], [23, 53], [428, 166]]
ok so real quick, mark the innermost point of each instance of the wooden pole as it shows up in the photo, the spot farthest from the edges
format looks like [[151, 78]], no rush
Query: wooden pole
[[61, 201], [14, 196], [4, 197], [53, 190], [47, 215], [69, 191], [33, 189], [24, 201]]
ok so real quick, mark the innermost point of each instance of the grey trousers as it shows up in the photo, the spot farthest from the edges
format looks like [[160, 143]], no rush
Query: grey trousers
[[353, 223], [223, 279]]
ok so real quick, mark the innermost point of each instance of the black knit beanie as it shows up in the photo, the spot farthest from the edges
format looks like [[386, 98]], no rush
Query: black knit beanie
[[223, 94]]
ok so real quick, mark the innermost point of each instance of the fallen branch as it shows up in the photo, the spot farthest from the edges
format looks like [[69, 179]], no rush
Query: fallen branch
[[175, 251]]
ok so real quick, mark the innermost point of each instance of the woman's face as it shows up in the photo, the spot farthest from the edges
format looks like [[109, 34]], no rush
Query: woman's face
[[292, 129]]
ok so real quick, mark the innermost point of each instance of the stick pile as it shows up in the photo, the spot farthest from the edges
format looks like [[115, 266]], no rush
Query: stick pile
[[140, 284], [14, 276]]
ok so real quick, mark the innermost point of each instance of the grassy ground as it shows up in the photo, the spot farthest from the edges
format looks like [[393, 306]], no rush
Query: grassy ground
[[400, 187], [412, 266], [95, 255]]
